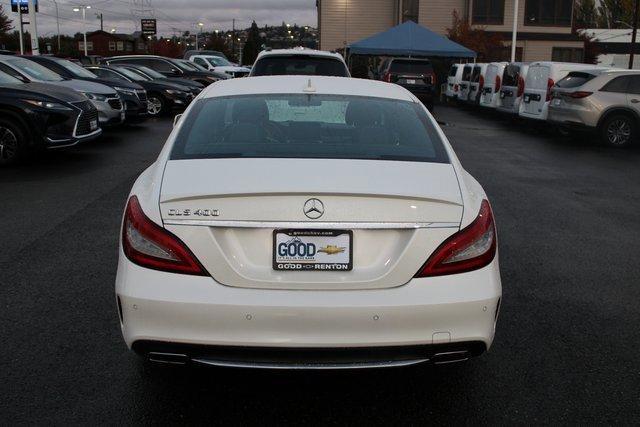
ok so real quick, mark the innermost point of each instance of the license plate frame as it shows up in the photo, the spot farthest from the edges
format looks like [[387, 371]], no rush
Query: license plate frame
[[317, 237], [411, 81], [93, 125]]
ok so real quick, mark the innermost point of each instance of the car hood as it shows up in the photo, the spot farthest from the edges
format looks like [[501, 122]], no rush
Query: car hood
[[162, 84], [85, 86], [231, 68], [183, 82], [112, 83], [56, 92]]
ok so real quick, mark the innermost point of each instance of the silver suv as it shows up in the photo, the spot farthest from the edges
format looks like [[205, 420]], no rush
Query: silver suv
[[603, 101]]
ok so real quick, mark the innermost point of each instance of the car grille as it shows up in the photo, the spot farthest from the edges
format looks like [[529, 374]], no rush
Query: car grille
[[240, 74], [142, 95], [89, 113], [115, 103]]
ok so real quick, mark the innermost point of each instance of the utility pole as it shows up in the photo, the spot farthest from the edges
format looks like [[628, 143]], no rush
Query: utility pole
[[57, 23], [514, 33], [633, 34], [35, 49], [233, 37]]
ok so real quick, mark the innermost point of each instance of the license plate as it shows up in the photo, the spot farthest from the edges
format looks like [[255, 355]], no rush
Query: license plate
[[411, 82], [312, 250], [93, 124]]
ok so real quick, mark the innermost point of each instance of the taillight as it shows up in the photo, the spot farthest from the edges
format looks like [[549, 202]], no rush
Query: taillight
[[520, 86], [147, 244], [550, 84], [579, 94], [481, 84], [498, 83], [469, 249], [432, 76], [455, 88], [387, 77]]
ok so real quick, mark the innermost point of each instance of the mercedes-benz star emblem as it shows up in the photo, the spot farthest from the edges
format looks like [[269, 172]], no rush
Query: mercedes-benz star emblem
[[313, 208]]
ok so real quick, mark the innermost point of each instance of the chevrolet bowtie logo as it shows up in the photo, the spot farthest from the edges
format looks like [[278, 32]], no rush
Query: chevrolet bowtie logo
[[331, 250], [313, 208]]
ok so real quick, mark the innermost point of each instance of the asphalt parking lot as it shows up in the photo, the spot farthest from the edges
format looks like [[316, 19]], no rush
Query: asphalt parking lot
[[565, 349]]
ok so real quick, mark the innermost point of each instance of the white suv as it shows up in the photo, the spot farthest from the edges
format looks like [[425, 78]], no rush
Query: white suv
[[299, 61]]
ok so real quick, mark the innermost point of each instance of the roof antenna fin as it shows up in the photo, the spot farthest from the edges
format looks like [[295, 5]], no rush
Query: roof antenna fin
[[309, 87]]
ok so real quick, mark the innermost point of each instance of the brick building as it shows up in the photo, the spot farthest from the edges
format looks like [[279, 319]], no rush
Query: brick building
[[102, 43]]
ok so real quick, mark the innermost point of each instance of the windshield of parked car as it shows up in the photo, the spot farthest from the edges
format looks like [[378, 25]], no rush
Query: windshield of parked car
[[33, 70], [306, 65], [309, 126], [132, 75], [149, 72], [75, 69], [6, 79], [410, 67], [217, 61], [184, 65]]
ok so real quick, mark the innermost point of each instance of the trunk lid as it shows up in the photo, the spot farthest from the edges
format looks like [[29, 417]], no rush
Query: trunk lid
[[226, 211]]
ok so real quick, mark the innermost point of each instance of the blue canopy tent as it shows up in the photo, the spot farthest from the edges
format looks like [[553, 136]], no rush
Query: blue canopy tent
[[409, 39]]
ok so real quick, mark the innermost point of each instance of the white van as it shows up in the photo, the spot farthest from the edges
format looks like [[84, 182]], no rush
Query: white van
[[541, 77], [476, 83], [453, 81], [512, 89], [492, 83], [465, 82]]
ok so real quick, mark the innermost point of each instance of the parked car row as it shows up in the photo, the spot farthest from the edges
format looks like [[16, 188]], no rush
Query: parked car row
[[571, 97], [48, 102]]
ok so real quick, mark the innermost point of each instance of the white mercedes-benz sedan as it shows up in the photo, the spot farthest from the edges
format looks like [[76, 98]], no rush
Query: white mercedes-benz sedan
[[307, 222]]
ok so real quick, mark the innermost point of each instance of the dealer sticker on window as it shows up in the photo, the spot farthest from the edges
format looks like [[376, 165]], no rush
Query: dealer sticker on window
[[312, 250]]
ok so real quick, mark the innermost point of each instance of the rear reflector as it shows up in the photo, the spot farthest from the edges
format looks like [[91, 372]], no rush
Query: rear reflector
[[147, 244], [469, 249]]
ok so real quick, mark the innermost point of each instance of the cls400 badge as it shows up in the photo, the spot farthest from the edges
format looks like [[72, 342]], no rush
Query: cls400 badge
[[313, 250], [194, 212]]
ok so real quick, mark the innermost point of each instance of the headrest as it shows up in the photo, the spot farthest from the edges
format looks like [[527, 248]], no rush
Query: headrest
[[250, 111], [362, 113]]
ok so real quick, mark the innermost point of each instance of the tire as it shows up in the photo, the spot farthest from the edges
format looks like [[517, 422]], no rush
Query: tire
[[618, 130], [156, 105], [13, 142]]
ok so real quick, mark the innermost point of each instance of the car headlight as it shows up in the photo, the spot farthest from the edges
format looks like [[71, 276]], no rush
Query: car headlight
[[46, 104], [173, 92], [126, 90], [95, 96]]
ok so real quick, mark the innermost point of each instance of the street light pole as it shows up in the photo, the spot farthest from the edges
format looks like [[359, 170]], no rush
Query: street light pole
[[633, 34], [83, 8], [35, 48], [514, 33]]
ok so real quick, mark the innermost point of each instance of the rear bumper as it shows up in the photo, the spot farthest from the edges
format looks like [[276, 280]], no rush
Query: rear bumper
[[177, 309], [579, 119]]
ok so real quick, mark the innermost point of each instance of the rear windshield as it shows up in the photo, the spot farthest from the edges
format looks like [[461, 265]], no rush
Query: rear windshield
[[308, 126], [411, 67], [575, 79], [510, 75], [305, 65], [466, 72], [453, 70], [475, 76], [537, 77]]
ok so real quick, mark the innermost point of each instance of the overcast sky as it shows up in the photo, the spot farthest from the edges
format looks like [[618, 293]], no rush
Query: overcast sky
[[181, 14]]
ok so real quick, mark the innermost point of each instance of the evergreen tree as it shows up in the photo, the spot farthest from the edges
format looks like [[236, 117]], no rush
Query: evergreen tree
[[5, 23], [253, 45]]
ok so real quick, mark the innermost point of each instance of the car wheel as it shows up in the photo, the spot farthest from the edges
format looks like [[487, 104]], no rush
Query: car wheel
[[12, 142], [155, 105], [618, 130]]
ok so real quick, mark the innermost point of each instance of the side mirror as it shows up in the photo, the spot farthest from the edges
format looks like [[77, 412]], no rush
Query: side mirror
[[176, 119]]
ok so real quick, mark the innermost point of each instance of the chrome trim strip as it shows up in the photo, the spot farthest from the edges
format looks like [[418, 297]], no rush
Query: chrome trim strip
[[309, 224], [273, 365]]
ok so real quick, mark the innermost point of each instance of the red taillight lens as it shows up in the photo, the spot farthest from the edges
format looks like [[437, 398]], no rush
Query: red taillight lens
[[579, 94], [481, 86], [520, 86], [469, 249], [149, 245], [387, 77], [550, 84], [455, 88], [498, 83], [432, 76]]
